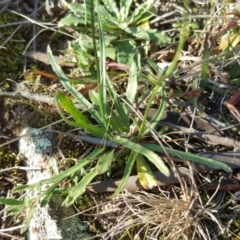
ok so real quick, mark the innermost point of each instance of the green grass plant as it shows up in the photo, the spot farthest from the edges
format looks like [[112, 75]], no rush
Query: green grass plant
[[114, 31], [113, 117]]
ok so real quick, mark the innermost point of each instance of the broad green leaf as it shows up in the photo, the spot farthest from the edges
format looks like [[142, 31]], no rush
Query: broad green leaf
[[151, 156], [127, 171], [92, 129], [104, 162], [70, 108], [143, 13], [10, 201], [75, 15], [71, 20], [190, 157], [126, 50], [107, 19], [111, 7], [111, 53], [148, 35], [145, 175], [78, 8], [133, 79], [124, 9]]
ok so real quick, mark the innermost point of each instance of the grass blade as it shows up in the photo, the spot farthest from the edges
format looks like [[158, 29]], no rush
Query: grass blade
[[127, 172], [102, 71], [80, 188], [205, 67], [70, 108], [151, 156], [190, 157], [158, 116], [61, 176]]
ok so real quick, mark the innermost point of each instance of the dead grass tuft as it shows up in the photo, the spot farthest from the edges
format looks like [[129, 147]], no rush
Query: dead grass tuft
[[143, 215]]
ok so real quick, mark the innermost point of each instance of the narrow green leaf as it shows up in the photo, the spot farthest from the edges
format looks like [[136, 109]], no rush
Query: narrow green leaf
[[21, 188], [151, 156], [102, 70], [48, 195], [117, 124], [127, 171], [70, 108], [234, 72], [27, 220], [190, 157], [158, 116], [54, 165], [80, 188], [63, 175], [113, 119], [123, 116], [102, 166], [9, 201], [205, 67], [153, 65]]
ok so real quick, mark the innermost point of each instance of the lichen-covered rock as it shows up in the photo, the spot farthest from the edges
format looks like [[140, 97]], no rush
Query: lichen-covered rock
[[52, 221]]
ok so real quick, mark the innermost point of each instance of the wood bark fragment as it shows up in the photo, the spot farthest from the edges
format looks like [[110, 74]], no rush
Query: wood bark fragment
[[133, 183]]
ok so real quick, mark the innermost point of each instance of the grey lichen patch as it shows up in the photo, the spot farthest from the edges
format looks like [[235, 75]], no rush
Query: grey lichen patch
[[37, 147], [35, 142]]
